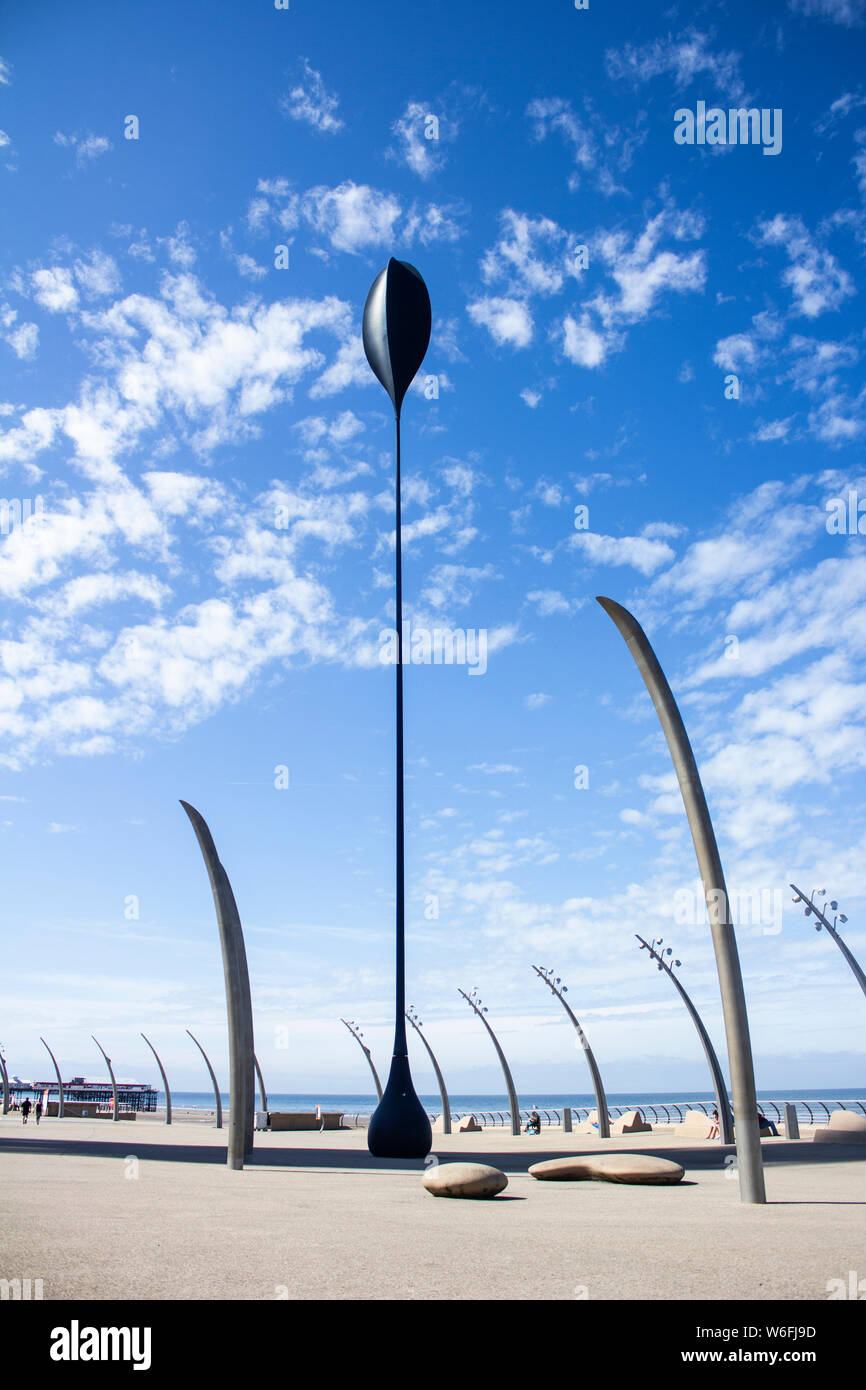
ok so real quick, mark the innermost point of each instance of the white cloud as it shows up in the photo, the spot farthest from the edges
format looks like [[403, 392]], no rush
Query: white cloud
[[640, 552], [763, 531], [685, 58], [54, 290], [98, 275], [311, 102], [86, 147], [642, 273], [352, 216], [518, 256], [736, 352], [549, 601], [537, 701], [850, 13], [508, 321], [815, 278], [583, 344], [419, 151], [593, 139], [773, 431], [23, 338]]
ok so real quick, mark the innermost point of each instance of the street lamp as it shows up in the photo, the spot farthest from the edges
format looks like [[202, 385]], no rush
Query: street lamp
[[726, 1126], [359, 1039], [443, 1094], [812, 909], [473, 999], [553, 983], [396, 332]]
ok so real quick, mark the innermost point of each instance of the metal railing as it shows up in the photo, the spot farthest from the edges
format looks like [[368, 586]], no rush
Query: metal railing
[[662, 1112]]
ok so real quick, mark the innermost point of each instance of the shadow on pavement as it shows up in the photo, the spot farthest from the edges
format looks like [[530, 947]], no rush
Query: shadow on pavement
[[510, 1161]]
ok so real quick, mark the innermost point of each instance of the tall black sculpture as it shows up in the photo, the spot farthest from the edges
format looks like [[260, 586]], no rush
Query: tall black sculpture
[[397, 322]]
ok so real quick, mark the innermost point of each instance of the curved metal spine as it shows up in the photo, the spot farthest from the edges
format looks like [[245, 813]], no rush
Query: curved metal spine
[[59, 1081], [262, 1092], [5, 1077], [238, 1002], [446, 1108], [822, 918], [367, 1054], [164, 1080], [600, 1099], [749, 1161], [116, 1115], [509, 1084], [216, 1090], [726, 1124]]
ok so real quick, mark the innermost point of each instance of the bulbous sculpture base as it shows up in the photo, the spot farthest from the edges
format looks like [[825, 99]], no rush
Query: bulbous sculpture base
[[399, 1127]]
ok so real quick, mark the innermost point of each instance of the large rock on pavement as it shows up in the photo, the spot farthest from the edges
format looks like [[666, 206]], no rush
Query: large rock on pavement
[[464, 1180], [626, 1168]]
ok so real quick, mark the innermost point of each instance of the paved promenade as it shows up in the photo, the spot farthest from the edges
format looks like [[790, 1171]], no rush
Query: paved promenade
[[140, 1210]]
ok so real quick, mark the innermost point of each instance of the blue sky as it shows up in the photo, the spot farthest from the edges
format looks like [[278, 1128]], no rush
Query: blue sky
[[199, 599]]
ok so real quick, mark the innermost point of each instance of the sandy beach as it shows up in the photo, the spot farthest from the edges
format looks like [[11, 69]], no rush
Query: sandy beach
[[141, 1210]]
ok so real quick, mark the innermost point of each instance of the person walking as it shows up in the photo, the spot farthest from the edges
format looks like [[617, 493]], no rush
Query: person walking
[[25, 1108], [37, 1111]]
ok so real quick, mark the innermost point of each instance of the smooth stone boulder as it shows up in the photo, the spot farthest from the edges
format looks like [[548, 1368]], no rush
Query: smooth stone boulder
[[843, 1127], [561, 1170], [464, 1180], [632, 1122], [467, 1125], [625, 1168]]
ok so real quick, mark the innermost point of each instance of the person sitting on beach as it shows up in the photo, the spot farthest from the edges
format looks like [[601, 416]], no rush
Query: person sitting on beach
[[764, 1123], [534, 1125], [714, 1127]]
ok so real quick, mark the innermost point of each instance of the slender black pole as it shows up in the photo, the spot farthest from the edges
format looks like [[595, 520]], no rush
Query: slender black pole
[[401, 1048], [396, 334]]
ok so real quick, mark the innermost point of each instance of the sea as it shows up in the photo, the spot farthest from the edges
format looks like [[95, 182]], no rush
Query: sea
[[495, 1103]]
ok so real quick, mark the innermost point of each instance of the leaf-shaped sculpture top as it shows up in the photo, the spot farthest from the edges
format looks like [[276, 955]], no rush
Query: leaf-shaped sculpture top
[[397, 322]]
